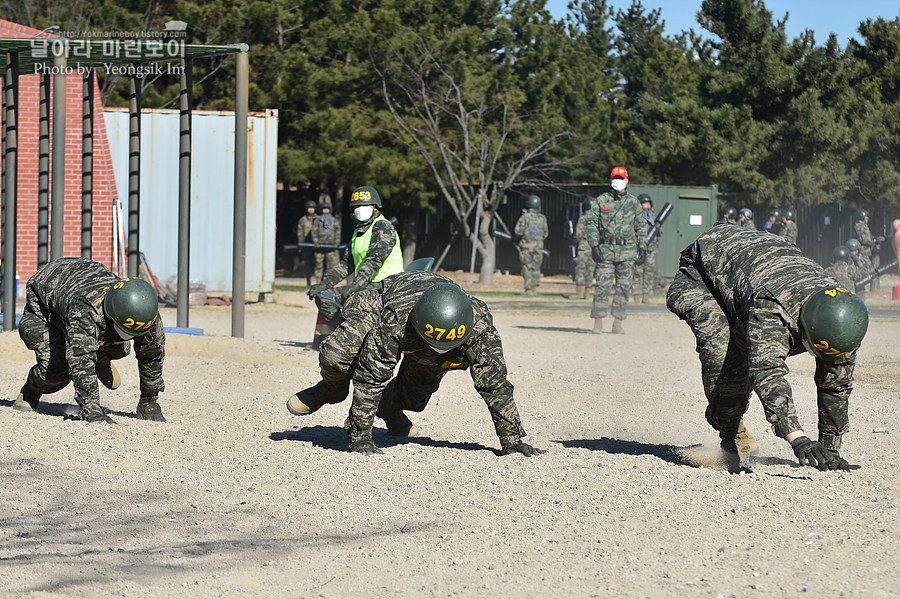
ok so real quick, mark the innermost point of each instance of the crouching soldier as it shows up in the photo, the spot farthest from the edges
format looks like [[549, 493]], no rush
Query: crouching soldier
[[78, 317], [435, 327]]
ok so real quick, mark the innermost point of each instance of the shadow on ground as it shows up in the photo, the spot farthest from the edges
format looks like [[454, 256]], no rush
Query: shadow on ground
[[335, 438]]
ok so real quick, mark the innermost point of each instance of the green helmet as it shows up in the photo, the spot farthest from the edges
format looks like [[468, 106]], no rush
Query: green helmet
[[533, 203], [729, 212], [840, 254], [309, 204], [861, 214], [747, 213], [443, 316], [775, 212], [834, 322], [645, 198], [324, 205], [853, 244], [588, 203], [132, 306], [789, 214], [365, 196]]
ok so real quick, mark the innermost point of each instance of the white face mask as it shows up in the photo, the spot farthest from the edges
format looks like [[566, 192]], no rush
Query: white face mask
[[363, 213], [619, 185]]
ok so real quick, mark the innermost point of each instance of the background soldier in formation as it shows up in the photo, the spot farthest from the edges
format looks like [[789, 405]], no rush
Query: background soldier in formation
[[374, 253], [304, 229], [842, 269], [746, 218], [435, 327], [585, 267], [326, 230], [78, 317], [647, 278], [531, 231], [617, 234], [729, 215], [869, 252], [773, 223], [752, 300], [789, 229], [860, 261]]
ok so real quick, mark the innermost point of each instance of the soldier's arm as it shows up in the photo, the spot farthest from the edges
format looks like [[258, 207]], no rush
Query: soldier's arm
[[378, 356], [768, 345], [488, 370], [592, 219], [640, 227], [519, 229], [150, 351], [546, 230], [339, 271], [384, 237]]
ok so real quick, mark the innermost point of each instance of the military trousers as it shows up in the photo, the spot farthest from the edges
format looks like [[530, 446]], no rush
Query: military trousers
[[585, 269], [615, 278], [722, 347], [530, 256], [325, 261]]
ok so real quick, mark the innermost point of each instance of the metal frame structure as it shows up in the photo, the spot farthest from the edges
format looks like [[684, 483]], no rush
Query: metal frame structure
[[24, 52]]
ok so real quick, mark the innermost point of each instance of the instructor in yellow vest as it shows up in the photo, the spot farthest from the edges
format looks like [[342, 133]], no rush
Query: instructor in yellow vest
[[374, 250]]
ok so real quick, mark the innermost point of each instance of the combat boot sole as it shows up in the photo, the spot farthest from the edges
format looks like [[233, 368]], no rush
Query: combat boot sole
[[26, 405], [108, 375]]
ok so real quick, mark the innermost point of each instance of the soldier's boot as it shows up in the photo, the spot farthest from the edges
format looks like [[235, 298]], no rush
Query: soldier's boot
[[28, 400], [149, 409], [645, 298], [617, 327], [587, 290], [728, 433], [310, 400], [745, 443], [107, 374], [598, 326], [398, 424], [579, 292]]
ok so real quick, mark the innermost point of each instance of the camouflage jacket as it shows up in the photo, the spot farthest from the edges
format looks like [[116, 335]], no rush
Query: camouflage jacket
[[845, 273], [391, 337], [763, 281], [616, 223], [69, 293], [321, 234], [864, 235], [749, 224], [790, 232], [305, 226], [532, 226], [384, 237]]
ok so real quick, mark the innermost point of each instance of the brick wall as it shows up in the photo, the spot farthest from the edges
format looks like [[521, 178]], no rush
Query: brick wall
[[104, 188]]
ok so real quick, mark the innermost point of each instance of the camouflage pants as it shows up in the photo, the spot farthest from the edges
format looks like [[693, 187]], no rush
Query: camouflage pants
[[722, 349], [531, 256], [647, 278], [325, 261], [585, 269], [48, 342], [616, 278]]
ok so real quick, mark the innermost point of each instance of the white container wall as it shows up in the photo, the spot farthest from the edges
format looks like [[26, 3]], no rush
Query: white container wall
[[212, 194]]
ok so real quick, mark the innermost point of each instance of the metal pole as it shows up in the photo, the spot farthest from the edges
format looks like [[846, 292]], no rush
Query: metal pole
[[10, 166], [44, 173], [239, 258], [87, 162], [58, 164], [186, 105], [134, 171]]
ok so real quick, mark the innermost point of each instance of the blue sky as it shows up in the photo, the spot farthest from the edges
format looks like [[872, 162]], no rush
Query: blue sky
[[822, 16]]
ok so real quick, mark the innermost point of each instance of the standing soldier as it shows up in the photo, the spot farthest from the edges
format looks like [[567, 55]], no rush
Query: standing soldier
[[860, 261], [585, 267], [78, 317], [842, 268], [752, 300], [789, 230], [773, 223], [729, 215], [374, 252], [746, 218], [870, 245], [646, 276], [304, 228], [531, 231], [617, 234], [428, 325], [326, 230]]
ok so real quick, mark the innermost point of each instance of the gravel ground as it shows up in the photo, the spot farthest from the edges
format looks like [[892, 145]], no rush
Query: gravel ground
[[234, 497]]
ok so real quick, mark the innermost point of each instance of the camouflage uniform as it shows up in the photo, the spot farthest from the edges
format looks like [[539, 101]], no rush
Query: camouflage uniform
[[790, 232], [869, 258], [64, 325], [326, 230], [374, 337], [844, 273], [585, 267], [531, 230], [617, 225], [304, 229], [647, 278], [741, 292], [748, 224]]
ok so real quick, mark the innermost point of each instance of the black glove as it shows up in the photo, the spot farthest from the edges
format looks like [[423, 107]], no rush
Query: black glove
[[316, 289], [148, 409], [524, 448], [840, 463], [641, 256], [366, 446], [812, 452], [595, 254]]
